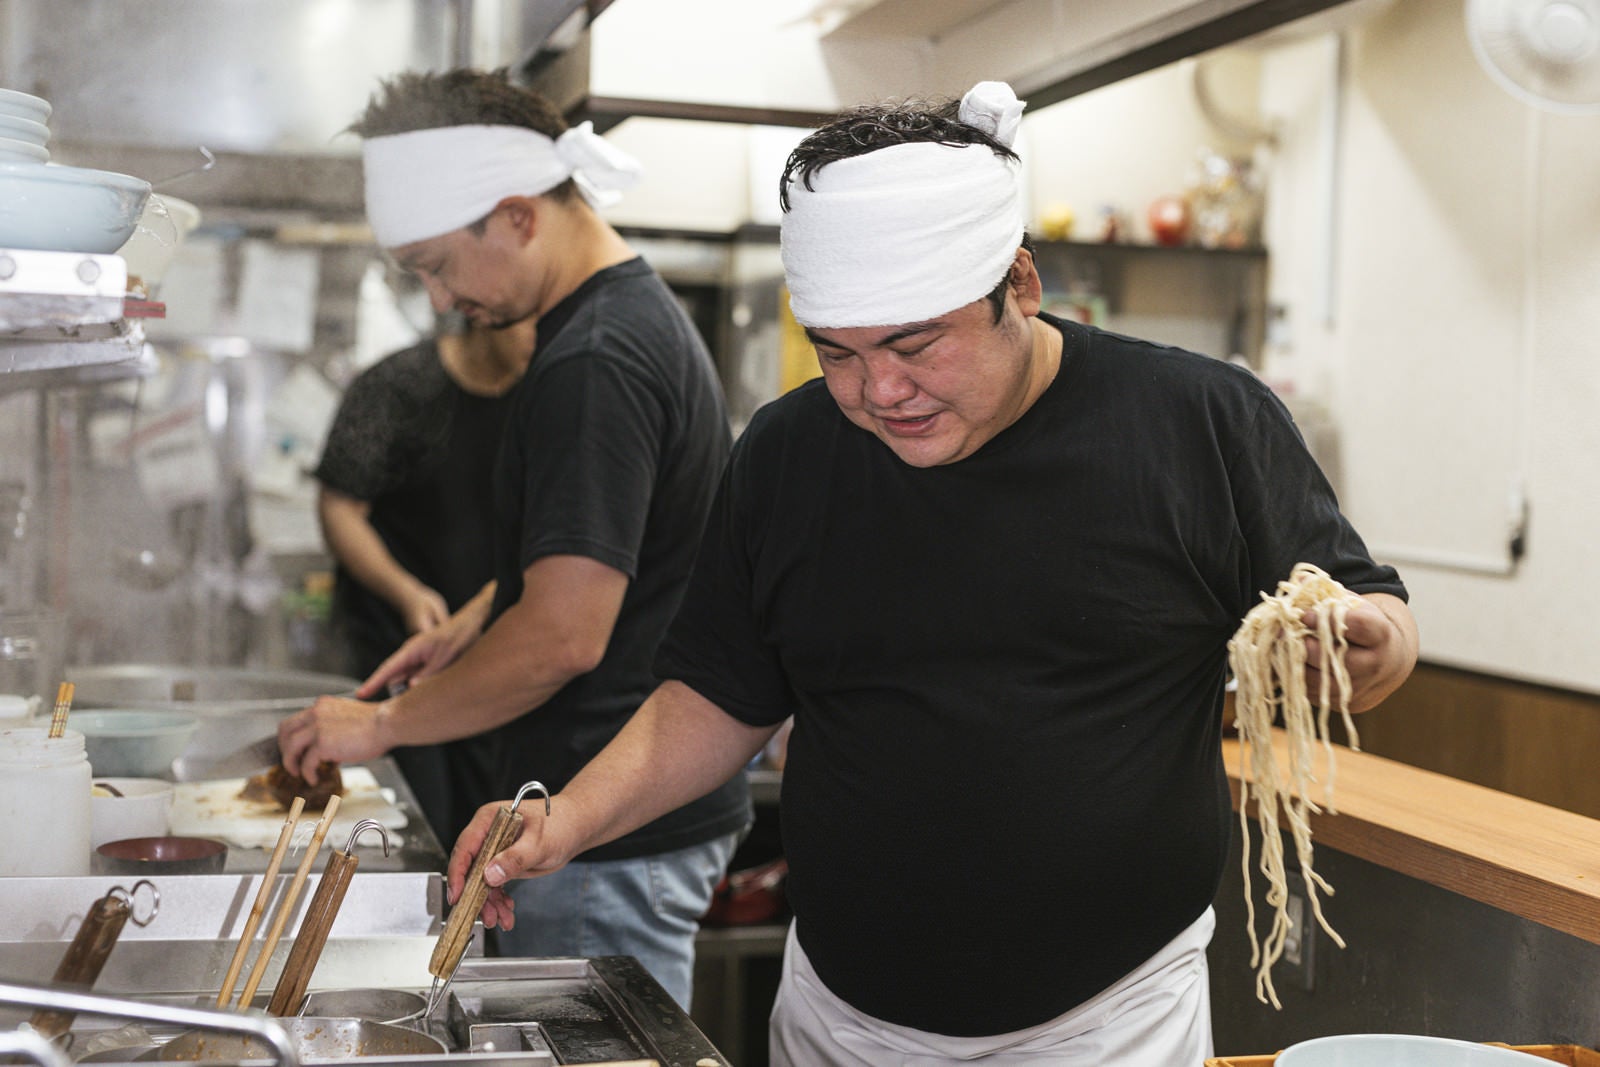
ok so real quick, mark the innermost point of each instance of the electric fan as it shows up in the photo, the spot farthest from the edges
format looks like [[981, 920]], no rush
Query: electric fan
[[1545, 52]]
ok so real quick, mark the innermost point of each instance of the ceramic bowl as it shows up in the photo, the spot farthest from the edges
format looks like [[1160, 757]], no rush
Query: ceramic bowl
[[24, 105], [134, 744], [154, 856], [163, 225], [16, 710], [21, 129], [1396, 1050], [138, 807], [15, 151], [68, 209]]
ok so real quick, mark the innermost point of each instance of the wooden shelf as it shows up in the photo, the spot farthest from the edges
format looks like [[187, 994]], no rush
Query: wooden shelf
[[1525, 858], [1127, 248]]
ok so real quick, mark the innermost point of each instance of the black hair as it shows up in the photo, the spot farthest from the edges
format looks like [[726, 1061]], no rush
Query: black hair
[[869, 128], [427, 100]]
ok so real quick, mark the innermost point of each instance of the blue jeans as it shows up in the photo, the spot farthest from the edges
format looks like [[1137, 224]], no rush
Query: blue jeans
[[648, 907]]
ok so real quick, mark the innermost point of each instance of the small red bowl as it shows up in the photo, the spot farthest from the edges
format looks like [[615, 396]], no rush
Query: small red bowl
[[161, 855]]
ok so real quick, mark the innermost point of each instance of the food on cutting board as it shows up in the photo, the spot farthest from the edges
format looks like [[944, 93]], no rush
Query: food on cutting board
[[279, 787]]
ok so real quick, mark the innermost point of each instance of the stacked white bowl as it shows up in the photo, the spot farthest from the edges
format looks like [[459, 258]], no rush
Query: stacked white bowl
[[50, 207], [24, 133]]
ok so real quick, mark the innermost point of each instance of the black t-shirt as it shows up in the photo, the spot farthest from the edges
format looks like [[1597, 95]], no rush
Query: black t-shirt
[[617, 436], [420, 450], [1004, 788]]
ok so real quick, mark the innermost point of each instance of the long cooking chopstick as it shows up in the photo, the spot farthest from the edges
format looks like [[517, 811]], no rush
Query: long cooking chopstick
[[286, 905], [58, 714], [259, 908]]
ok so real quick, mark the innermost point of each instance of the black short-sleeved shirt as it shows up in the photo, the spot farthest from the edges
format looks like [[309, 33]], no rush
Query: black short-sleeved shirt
[[617, 437], [1004, 788], [420, 450]]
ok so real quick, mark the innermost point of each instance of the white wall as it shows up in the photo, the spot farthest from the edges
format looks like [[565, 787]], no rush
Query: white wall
[[752, 53], [1461, 358], [1132, 141]]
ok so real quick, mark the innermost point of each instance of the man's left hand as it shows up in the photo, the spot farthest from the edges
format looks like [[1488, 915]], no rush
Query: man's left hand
[[336, 729], [1382, 636]]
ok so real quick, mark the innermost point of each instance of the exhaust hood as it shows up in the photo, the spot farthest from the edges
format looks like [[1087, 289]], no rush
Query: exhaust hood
[[267, 85]]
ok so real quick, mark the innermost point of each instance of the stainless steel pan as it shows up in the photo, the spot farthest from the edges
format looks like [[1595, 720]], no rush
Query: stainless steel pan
[[317, 1039]]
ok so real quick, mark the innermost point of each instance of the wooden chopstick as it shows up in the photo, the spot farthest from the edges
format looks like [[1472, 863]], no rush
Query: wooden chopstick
[[58, 715], [287, 904], [260, 906]]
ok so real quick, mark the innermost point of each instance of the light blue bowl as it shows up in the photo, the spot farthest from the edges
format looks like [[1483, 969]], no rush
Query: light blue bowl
[[13, 150], [133, 744], [26, 105], [1396, 1050], [22, 129], [68, 209]]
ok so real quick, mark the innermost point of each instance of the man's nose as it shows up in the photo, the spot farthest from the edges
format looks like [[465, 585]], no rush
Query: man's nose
[[886, 383]]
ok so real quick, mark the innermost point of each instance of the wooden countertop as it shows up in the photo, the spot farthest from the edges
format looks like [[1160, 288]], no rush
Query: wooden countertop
[[1523, 857]]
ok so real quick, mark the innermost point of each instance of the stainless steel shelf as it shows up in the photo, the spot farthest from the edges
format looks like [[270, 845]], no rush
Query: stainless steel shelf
[[62, 320]]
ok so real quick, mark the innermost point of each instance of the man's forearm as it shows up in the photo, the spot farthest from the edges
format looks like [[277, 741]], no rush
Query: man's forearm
[[557, 630], [675, 749], [498, 679]]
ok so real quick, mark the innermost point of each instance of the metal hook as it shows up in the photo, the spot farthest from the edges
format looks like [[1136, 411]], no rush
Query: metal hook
[[529, 787], [366, 824], [210, 162], [128, 897]]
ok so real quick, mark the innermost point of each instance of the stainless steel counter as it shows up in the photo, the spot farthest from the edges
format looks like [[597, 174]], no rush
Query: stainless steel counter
[[504, 1013]]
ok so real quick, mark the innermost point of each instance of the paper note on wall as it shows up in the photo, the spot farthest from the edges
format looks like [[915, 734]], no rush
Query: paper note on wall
[[277, 306]]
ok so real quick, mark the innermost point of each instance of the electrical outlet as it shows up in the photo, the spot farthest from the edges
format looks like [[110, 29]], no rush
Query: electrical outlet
[[1299, 948]]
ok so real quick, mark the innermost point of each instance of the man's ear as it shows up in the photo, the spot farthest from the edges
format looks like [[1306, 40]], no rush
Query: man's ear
[[1023, 279], [521, 213]]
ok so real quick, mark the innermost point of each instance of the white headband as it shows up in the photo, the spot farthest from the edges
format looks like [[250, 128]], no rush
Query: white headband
[[908, 232], [425, 183]]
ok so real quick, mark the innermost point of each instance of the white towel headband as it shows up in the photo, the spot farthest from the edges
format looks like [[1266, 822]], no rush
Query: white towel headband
[[425, 183], [908, 232]]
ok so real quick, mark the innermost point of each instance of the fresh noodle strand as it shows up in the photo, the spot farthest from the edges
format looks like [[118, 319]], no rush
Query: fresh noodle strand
[[1268, 658]]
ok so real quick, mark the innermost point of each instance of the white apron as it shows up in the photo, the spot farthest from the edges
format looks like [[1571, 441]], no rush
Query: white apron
[[1157, 1016]]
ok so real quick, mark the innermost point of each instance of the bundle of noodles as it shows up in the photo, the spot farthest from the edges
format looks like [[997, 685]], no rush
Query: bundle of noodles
[[1268, 657]]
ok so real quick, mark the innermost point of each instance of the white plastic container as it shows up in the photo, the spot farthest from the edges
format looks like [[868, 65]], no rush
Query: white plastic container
[[44, 803]]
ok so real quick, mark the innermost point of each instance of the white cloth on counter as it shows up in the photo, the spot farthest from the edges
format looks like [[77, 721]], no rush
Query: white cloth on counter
[[1157, 1016], [425, 183], [909, 232], [214, 809]]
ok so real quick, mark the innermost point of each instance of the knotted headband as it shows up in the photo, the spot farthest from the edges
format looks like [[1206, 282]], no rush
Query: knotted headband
[[424, 183], [908, 232]]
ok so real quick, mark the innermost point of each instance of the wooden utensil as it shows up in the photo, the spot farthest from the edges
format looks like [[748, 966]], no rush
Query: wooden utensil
[[286, 905], [58, 714], [87, 954], [452, 943], [259, 908], [318, 920]]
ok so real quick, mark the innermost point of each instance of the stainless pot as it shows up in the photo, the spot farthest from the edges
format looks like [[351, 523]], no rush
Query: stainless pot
[[238, 707], [225, 691], [317, 1040], [395, 1007]]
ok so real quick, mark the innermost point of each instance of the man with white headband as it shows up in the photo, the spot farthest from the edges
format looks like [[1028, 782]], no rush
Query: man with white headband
[[990, 565], [614, 439]]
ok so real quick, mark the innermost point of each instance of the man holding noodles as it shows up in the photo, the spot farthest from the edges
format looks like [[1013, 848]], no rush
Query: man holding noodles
[[990, 563]]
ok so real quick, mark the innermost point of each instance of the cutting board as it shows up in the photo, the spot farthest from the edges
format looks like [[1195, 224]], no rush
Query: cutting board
[[215, 809]]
